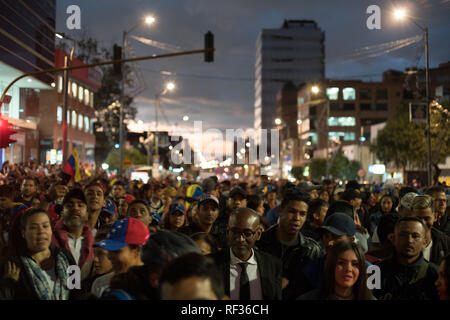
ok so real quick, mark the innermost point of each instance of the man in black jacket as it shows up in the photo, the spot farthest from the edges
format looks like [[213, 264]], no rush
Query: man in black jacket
[[285, 241], [407, 275], [440, 207], [437, 244], [248, 273]]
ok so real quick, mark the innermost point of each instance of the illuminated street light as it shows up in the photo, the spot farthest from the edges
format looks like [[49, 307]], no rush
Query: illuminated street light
[[185, 118], [277, 121], [315, 89], [299, 122], [150, 20], [399, 14], [170, 86]]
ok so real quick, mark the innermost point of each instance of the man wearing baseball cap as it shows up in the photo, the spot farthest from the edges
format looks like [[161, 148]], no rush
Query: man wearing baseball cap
[[124, 244], [72, 232], [176, 217], [109, 213], [208, 211], [309, 187]]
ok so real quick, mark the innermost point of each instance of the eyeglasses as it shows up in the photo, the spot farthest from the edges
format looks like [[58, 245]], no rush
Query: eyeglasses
[[247, 233]]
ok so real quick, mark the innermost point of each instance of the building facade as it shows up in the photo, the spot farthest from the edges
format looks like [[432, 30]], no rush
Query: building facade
[[80, 113], [296, 53], [27, 43]]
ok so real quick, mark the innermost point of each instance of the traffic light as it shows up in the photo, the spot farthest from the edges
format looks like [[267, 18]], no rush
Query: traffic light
[[209, 44], [5, 133], [117, 56]]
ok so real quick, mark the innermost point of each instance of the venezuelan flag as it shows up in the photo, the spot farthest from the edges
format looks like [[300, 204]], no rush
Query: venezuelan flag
[[71, 166]]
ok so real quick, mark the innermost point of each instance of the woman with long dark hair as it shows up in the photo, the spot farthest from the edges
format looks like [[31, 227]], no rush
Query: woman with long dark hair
[[442, 283], [345, 275], [39, 270]]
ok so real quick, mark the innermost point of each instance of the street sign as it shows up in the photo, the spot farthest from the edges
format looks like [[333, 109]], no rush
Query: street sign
[[417, 112], [126, 163]]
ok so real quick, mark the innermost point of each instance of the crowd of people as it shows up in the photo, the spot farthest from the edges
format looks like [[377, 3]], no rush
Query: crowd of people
[[233, 239]]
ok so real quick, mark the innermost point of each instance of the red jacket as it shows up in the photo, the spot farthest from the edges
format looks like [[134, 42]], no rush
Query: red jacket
[[61, 240]]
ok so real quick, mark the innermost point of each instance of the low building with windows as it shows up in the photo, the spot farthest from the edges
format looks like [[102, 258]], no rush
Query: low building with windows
[[80, 113]]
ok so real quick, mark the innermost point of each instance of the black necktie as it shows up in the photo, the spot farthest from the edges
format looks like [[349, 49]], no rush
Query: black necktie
[[244, 283]]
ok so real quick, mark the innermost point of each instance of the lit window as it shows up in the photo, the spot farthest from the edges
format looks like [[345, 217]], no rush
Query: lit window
[[86, 96], [68, 117], [59, 112], [342, 121], [60, 84], [80, 122], [349, 94], [92, 100], [74, 89], [86, 124], [69, 88], [74, 119], [333, 93], [92, 126], [346, 136], [80, 93]]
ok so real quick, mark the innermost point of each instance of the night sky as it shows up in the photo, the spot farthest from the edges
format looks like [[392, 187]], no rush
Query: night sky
[[221, 94]]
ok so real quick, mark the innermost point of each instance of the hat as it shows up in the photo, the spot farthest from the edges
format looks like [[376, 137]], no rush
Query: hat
[[129, 198], [238, 190], [307, 186], [407, 200], [340, 224], [176, 206], [155, 216], [271, 188], [123, 233], [76, 193], [209, 198], [350, 194], [110, 207]]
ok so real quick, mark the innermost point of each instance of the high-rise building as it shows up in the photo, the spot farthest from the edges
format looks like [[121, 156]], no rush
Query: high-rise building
[[296, 53], [27, 44]]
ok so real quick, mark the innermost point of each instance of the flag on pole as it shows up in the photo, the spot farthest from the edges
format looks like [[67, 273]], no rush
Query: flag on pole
[[71, 167]]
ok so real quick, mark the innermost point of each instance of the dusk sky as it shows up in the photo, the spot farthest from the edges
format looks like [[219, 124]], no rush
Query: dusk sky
[[221, 94]]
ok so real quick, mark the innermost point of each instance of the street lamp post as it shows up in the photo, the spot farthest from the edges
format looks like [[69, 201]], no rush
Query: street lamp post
[[169, 87], [401, 14], [148, 20]]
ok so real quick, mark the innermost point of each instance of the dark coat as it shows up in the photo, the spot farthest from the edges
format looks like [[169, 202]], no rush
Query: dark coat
[[402, 282], [23, 289], [443, 224], [440, 247], [293, 258], [269, 269]]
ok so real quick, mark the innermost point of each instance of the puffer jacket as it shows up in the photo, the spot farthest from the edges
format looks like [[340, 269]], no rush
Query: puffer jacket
[[414, 281]]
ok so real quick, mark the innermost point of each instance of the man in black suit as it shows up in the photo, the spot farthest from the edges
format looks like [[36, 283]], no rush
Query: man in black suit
[[249, 274]]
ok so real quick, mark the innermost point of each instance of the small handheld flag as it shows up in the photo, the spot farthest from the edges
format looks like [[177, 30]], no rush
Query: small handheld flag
[[71, 167]]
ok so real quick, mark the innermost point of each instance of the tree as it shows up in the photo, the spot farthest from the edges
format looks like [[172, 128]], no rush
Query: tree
[[340, 167], [297, 172], [133, 154], [405, 143]]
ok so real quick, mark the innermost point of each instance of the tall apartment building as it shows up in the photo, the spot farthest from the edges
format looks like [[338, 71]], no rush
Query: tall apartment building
[[27, 44], [296, 53]]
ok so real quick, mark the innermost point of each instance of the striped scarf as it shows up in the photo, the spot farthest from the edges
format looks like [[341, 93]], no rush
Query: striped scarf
[[39, 278]]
